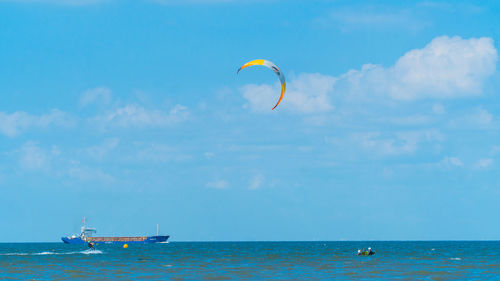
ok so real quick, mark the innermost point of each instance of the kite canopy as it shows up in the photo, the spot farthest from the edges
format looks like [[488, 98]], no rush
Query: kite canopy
[[274, 68]]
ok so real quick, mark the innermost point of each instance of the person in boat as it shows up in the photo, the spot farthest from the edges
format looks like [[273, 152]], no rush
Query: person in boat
[[359, 253], [370, 252], [91, 246]]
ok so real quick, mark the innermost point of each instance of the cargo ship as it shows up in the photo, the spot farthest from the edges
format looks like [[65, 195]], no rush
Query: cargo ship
[[86, 236]]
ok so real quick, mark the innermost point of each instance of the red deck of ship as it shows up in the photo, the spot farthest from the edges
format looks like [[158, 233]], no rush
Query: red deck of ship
[[117, 239]]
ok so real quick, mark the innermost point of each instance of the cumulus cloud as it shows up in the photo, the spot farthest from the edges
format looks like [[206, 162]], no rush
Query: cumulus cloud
[[452, 161], [209, 155], [400, 143], [99, 151], [256, 182], [160, 153], [307, 93], [495, 150], [32, 157], [447, 67], [218, 184], [101, 95], [481, 117], [14, 124], [388, 144], [438, 109], [76, 171], [409, 120], [484, 163], [137, 116], [477, 118]]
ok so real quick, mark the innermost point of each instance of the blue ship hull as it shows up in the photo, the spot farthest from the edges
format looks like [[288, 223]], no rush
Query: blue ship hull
[[116, 240]]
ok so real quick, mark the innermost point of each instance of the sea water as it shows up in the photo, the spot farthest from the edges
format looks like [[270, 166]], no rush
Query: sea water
[[454, 260]]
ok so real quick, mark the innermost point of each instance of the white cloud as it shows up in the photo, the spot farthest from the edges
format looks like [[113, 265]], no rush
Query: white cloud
[[495, 150], [256, 182], [386, 146], [447, 67], [367, 18], [218, 184], [481, 117], [409, 120], [161, 153], [137, 116], [101, 95], [453, 8], [209, 155], [387, 172], [307, 93], [13, 124], [79, 172], [32, 157], [438, 109], [478, 118], [399, 143], [452, 161], [484, 163], [347, 19], [99, 151], [223, 93], [55, 150]]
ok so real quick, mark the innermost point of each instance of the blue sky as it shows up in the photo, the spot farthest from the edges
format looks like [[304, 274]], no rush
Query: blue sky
[[131, 113]]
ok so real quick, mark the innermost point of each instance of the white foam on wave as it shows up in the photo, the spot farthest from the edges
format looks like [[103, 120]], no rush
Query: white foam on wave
[[91, 252], [455, 259], [86, 252], [44, 253]]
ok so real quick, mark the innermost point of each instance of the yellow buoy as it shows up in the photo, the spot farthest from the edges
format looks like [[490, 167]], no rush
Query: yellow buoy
[[125, 246]]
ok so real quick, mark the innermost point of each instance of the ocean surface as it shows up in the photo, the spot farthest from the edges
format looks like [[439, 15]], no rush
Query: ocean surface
[[252, 261]]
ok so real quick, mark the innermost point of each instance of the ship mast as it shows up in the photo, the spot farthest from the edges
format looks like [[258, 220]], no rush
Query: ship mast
[[86, 231], [82, 229]]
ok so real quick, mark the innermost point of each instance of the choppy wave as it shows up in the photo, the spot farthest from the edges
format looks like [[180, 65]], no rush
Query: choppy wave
[[412, 260], [86, 252]]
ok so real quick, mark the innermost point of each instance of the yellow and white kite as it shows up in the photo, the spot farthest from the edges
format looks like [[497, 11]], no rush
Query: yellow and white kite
[[274, 68]]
